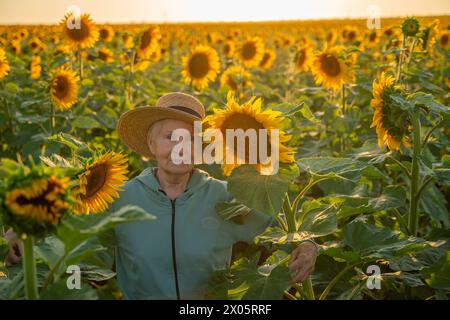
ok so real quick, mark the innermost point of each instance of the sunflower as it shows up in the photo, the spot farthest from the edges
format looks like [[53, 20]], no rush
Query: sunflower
[[372, 39], [127, 41], [83, 37], [235, 77], [444, 39], [251, 52], [41, 201], [35, 67], [331, 70], [201, 66], [267, 59], [37, 45], [391, 122], [249, 116], [303, 59], [350, 34], [4, 65], [106, 34], [64, 88], [16, 47], [105, 55], [99, 183], [228, 49], [410, 27], [149, 41], [429, 35]]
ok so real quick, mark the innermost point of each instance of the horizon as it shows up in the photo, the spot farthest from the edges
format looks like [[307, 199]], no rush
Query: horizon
[[204, 11]]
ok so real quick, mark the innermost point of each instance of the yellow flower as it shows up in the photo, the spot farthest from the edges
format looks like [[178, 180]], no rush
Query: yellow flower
[[99, 183], [64, 88], [4, 65], [391, 122], [249, 115], [235, 77], [105, 55], [330, 70], [35, 67], [251, 52], [267, 59], [83, 37], [444, 39], [106, 34], [41, 201], [228, 49], [149, 41], [303, 59], [201, 66]]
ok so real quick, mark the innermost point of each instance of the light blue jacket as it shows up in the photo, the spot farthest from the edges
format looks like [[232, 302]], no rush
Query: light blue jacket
[[175, 255]]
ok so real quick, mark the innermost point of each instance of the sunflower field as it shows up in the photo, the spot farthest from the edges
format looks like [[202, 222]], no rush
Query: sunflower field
[[364, 149]]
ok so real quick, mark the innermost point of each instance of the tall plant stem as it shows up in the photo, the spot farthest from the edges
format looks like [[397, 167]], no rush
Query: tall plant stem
[[80, 63], [413, 217], [29, 269], [52, 118]]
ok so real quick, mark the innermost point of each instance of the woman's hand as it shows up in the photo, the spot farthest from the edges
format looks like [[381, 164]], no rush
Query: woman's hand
[[15, 248], [302, 262]]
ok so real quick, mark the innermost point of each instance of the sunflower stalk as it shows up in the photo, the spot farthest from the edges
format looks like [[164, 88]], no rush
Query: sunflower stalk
[[80, 62], [400, 60], [29, 269], [413, 217], [52, 118]]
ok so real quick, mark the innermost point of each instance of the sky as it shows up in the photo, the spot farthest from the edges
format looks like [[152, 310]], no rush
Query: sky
[[122, 11]]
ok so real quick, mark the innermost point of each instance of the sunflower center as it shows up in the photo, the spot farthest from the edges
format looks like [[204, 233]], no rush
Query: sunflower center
[[146, 38], [227, 49], [330, 65], [104, 34], [61, 87], [96, 179], [372, 36], [79, 34], [394, 119], [248, 50], [351, 35], [265, 59], [199, 65], [244, 122], [444, 39], [39, 200]]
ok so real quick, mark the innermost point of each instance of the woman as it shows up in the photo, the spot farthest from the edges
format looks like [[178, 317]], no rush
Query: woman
[[174, 256]]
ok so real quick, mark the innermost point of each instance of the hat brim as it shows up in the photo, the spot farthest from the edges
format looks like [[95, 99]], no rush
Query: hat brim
[[134, 124]]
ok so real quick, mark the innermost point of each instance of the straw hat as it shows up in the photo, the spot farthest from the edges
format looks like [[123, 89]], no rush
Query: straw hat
[[134, 124]]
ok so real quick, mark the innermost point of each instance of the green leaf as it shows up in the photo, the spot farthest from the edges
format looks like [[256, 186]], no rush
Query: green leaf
[[420, 98], [263, 193], [85, 122], [68, 140], [317, 218], [433, 202], [59, 291], [328, 167], [76, 229], [233, 210], [391, 197], [438, 275]]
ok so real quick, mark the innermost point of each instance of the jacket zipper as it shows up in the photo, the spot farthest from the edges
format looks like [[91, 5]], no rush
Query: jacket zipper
[[174, 257]]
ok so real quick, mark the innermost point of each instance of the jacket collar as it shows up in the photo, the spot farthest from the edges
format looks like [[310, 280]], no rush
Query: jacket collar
[[197, 179]]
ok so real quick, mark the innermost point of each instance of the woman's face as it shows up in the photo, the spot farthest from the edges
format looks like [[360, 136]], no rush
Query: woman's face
[[161, 145]]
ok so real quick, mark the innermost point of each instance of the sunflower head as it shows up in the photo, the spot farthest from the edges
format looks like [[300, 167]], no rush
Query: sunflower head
[[228, 49], [235, 78], [105, 55], [99, 182], [410, 27], [303, 58], [331, 70], [64, 88], [35, 67], [391, 121], [444, 39], [4, 65], [201, 66], [106, 34], [35, 200], [249, 115], [267, 59], [82, 35], [148, 41], [251, 52]]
